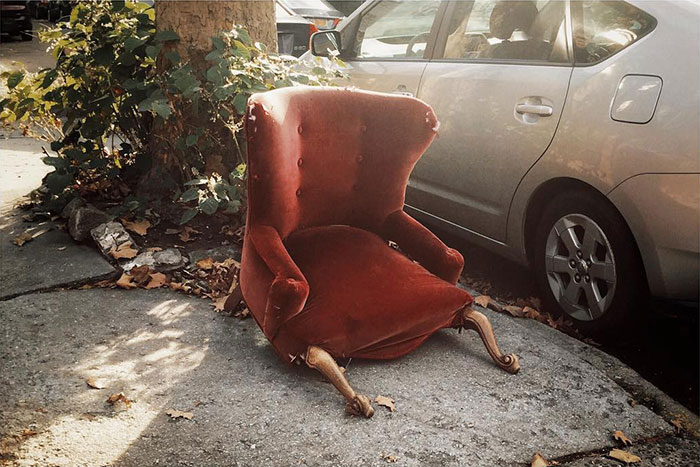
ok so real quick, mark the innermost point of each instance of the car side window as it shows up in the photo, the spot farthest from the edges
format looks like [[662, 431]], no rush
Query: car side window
[[395, 29], [603, 28], [508, 30]]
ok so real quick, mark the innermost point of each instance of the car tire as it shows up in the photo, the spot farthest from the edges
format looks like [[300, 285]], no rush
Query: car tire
[[587, 265]]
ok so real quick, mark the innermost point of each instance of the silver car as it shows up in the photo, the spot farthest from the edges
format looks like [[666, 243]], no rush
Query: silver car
[[569, 136]]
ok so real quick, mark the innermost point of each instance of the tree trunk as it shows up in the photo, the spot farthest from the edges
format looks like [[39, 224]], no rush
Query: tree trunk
[[196, 22]]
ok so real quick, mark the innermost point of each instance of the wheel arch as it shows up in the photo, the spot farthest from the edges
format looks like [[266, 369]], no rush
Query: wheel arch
[[549, 190]]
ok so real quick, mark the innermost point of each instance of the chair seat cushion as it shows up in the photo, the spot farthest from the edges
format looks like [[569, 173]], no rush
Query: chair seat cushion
[[366, 299]]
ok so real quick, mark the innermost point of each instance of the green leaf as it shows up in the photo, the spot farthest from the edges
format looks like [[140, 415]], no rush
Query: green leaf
[[133, 42], [208, 205], [240, 102], [14, 79], [191, 140], [190, 195], [218, 43], [163, 36], [162, 108], [173, 57], [153, 50], [58, 162], [188, 215], [57, 182]]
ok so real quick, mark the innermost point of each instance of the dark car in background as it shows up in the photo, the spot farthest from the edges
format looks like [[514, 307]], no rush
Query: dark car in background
[[321, 13], [15, 19], [50, 10], [293, 31]]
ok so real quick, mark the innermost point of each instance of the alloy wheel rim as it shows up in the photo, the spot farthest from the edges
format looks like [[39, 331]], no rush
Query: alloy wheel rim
[[580, 266]]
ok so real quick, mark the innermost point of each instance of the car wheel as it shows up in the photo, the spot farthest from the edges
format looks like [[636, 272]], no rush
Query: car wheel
[[587, 265]]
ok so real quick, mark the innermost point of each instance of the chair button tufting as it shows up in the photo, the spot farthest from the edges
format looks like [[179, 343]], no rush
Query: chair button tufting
[[300, 129], [298, 191], [363, 128], [300, 162], [256, 176], [359, 158]]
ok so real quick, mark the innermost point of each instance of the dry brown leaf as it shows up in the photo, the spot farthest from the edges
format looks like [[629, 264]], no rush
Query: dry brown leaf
[[114, 398], [94, 384], [153, 249], [230, 262], [139, 226], [125, 282], [389, 458], [206, 263], [179, 286], [482, 301], [124, 251], [243, 314], [141, 274], [27, 432], [158, 279], [539, 461], [219, 303], [187, 233], [624, 456], [620, 436], [387, 402], [178, 414], [22, 238], [677, 423], [514, 311]]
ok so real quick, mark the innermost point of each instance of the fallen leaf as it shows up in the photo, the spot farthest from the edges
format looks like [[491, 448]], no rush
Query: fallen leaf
[[677, 423], [26, 433], [539, 461], [114, 398], [187, 233], [624, 456], [94, 384], [387, 402], [219, 303], [139, 226], [206, 263], [243, 314], [178, 414], [124, 251], [179, 286], [141, 274], [158, 279], [153, 249], [230, 262], [389, 458], [125, 282], [620, 436], [514, 311], [22, 238], [482, 301]]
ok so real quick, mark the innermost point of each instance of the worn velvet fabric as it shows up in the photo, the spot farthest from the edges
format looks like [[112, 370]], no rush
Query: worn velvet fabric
[[327, 176]]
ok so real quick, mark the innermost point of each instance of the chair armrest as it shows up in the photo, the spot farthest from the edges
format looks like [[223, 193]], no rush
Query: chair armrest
[[289, 289], [423, 246]]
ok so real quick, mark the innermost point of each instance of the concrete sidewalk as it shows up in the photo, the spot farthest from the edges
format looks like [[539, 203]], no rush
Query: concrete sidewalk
[[165, 350]]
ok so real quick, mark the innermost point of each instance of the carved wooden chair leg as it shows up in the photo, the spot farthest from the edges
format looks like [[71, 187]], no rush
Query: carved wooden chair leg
[[234, 298], [481, 324], [320, 360]]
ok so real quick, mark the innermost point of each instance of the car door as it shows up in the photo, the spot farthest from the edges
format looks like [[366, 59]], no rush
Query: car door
[[498, 87], [390, 42]]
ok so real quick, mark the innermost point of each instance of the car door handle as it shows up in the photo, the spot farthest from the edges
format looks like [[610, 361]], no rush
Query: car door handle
[[541, 110]]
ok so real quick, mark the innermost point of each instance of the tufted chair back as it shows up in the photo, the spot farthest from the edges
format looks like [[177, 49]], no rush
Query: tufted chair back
[[327, 156]]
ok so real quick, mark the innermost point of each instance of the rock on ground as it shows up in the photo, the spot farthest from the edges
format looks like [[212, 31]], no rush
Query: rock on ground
[[167, 351], [109, 236], [83, 220], [169, 259]]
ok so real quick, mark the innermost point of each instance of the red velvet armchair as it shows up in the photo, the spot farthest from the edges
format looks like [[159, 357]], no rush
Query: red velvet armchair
[[327, 174]]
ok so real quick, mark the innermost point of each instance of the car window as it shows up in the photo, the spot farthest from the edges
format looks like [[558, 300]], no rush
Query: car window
[[603, 28], [396, 29], [508, 30]]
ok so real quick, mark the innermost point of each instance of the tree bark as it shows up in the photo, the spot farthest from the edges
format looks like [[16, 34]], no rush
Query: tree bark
[[197, 21]]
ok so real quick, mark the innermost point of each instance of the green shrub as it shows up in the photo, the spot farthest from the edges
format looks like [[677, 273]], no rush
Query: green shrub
[[104, 100]]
